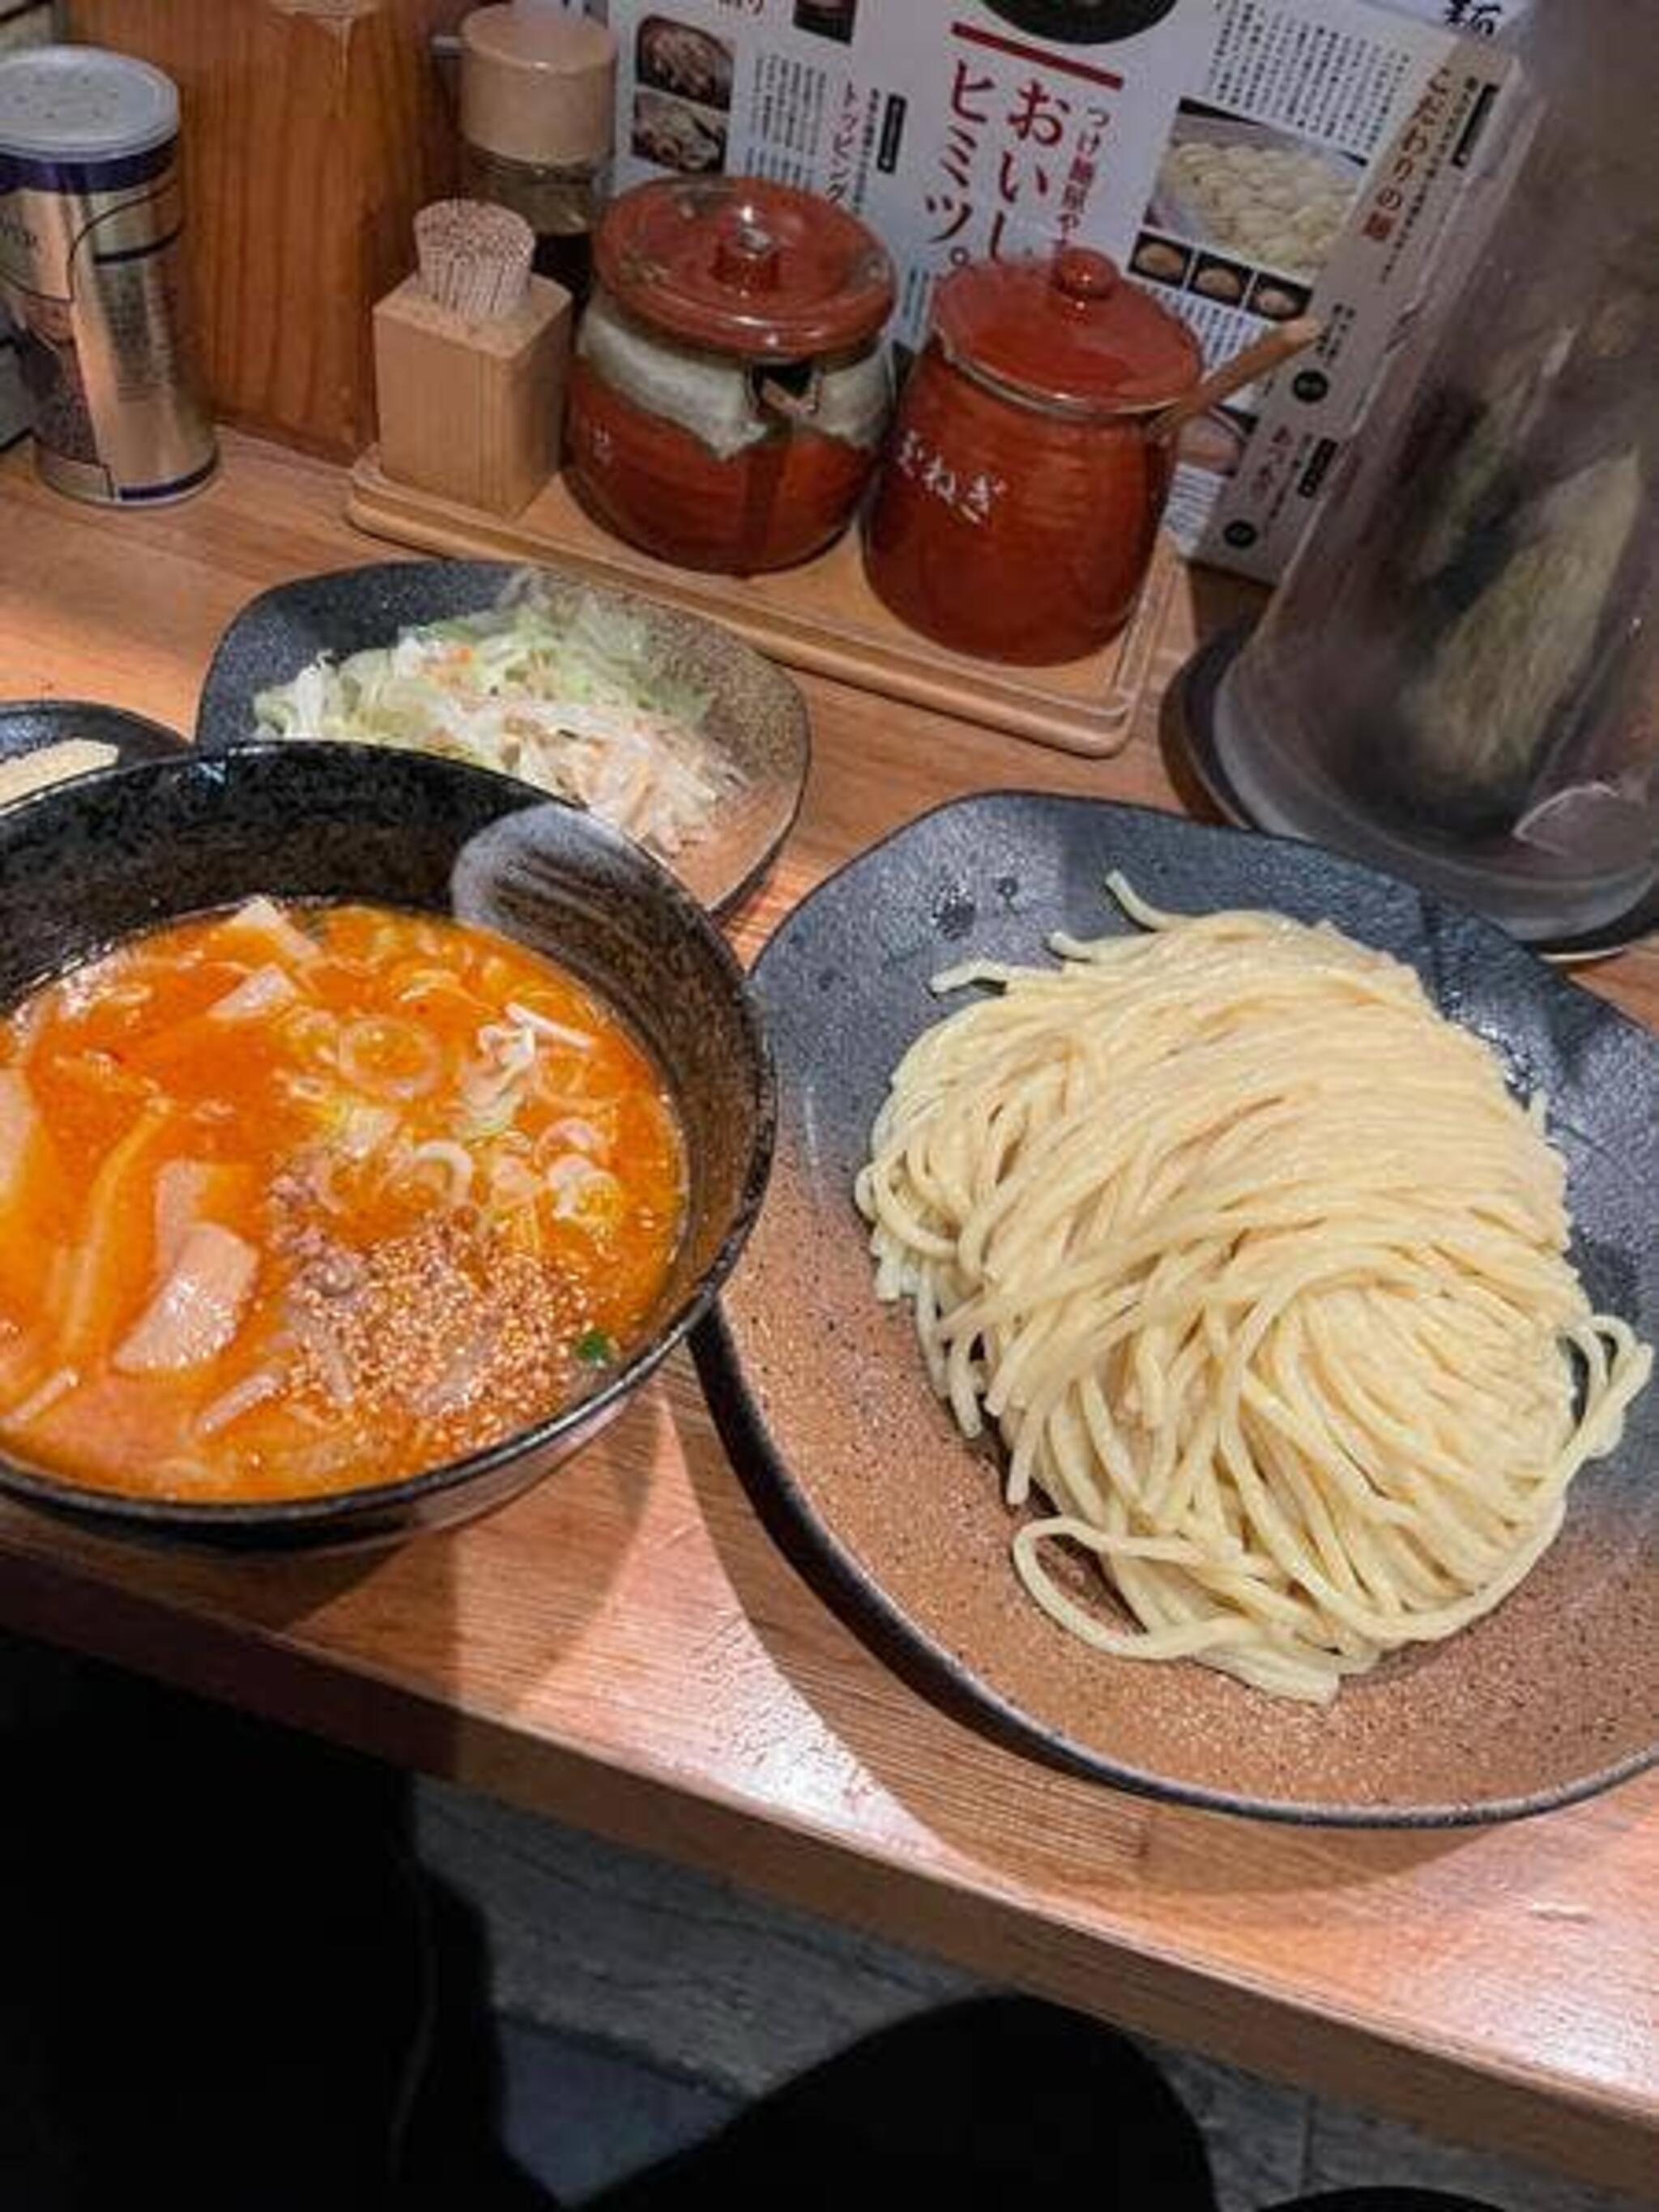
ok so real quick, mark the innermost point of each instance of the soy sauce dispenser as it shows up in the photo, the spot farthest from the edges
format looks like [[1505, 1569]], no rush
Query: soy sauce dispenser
[[538, 91]]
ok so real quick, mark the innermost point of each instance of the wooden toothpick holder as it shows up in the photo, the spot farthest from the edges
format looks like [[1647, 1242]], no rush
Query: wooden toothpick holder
[[471, 409]]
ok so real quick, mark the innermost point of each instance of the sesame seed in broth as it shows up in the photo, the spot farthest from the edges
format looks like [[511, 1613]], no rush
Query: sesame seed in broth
[[342, 1194], [448, 1327]]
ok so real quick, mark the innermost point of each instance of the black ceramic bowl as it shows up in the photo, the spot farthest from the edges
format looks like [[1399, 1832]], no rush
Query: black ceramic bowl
[[756, 713], [88, 863]]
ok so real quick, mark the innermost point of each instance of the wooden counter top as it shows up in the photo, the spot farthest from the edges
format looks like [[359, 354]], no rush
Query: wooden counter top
[[625, 1648]]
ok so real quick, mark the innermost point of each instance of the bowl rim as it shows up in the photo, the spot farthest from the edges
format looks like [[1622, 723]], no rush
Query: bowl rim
[[229, 1518], [153, 740]]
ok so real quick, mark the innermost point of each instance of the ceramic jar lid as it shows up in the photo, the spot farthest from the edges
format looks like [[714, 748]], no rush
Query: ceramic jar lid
[[742, 265], [1067, 332]]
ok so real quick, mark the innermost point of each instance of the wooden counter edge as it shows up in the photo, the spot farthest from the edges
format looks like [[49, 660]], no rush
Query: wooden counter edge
[[1522, 2112]]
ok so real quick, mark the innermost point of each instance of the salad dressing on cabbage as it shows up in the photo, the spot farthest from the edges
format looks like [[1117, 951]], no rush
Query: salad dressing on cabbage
[[570, 702]]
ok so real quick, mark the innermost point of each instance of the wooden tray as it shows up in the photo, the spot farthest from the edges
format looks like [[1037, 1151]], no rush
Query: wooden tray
[[823, 617]]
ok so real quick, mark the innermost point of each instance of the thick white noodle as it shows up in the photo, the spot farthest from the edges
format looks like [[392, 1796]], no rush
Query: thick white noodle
[[1261, 1274]]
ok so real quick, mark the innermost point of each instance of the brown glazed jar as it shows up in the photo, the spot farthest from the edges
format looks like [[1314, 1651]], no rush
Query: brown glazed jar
[[1028, 469], [730, 389]]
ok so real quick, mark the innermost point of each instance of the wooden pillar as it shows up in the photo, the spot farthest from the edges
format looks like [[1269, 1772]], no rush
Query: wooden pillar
[[312, 130]]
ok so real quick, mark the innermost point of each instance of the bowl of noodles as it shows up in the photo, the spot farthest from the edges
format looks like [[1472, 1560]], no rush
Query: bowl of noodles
[[371, 1126], [1245, 1269]]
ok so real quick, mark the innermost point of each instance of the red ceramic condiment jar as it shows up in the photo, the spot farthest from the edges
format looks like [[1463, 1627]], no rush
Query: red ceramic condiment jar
[[1028, 470], [729, 390]]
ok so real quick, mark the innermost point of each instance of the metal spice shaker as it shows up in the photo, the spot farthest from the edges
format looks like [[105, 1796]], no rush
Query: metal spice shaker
[[90, 219]]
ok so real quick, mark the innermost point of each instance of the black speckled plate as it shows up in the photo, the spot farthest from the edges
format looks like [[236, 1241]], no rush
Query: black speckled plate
[[31, 726], [755, 713], [824, 1401]]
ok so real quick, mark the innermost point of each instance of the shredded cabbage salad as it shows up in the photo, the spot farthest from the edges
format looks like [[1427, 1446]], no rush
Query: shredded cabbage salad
[[569, 701]]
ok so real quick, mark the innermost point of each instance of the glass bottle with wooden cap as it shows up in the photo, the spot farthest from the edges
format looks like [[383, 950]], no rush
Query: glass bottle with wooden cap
[[537, 89]]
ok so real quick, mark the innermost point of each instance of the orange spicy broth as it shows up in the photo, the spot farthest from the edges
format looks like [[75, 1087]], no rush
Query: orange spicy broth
[[296, 1200]]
